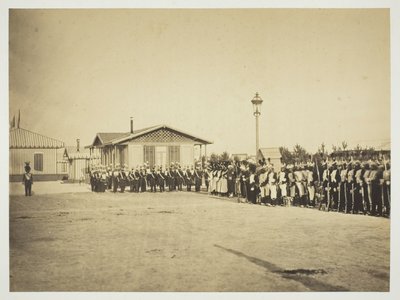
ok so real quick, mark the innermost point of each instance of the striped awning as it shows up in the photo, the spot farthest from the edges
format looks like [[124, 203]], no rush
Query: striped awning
[[22, 138]]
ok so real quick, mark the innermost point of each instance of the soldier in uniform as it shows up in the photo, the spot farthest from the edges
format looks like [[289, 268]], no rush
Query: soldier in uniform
[[109, 178], [374, 190], [350, 188], [263, 185], [103, 180], [143, 179], [252, 184], [272, 179], [231, 179], [161, 179], [326, 185], [171, 178], [300, 180], [310, 182], [223, 183], [206, 174], [115, 178], [151, 180], [366, 192], [179, 178], [188, 179], [292, 184], [123, 179], [359, 203], [334, 183], [386, 188], [92, 178], [342, 188], [131, 180], [27, 179], [282, 183], [198, 175]]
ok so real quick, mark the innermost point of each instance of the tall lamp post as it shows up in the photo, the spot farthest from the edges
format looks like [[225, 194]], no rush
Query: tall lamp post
[[257, 101]]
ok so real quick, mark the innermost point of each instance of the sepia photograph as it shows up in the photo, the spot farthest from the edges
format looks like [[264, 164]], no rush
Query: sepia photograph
[[204, 149]]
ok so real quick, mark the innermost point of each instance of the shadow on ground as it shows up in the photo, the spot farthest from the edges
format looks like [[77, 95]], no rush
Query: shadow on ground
[[299, 275]]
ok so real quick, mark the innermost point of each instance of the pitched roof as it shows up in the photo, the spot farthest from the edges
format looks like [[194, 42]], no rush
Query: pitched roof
[[107, 137], [270, 152], [116, 138], [72, 153], [22, 138]]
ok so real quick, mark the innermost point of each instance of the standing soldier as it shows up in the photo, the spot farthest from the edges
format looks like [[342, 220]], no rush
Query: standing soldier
[[326, 184], [188, 179], [92, 178], [179, 178], [359, 202], [282, 182], [115, 178], [335, 178], [263, 184], [27, 179], [342, 187], [131, 180], [231, 177], [122, 179], [292, 184], [300, 180], [142, 179], [386, 188], [206, 174], [198, 175], [151, 180], [109, 178], [272, 185], [171, 178], [310, 182], [161, 179], [350, 188], [366, 192], [252, 184], [374, 189]]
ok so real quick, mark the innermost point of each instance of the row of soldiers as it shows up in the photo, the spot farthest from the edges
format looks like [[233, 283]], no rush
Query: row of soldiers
[[343, 186], [143, 178]]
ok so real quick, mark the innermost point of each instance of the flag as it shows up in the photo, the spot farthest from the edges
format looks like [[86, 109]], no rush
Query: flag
[[19, 117]]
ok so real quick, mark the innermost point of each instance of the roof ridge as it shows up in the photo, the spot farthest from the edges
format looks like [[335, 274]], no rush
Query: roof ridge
[[45, 136]]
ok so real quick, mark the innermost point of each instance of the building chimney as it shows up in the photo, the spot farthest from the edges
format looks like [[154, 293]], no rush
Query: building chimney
[[77, 145], [131, 124]]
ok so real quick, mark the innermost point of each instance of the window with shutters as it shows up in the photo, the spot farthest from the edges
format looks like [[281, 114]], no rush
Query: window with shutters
[[174, 154], [149, 155], [38, 161]]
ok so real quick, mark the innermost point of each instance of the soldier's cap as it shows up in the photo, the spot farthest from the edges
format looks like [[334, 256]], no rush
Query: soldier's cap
[[290, 166]]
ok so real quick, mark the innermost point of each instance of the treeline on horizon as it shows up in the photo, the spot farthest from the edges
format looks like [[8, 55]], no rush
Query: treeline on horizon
[[300, 155]]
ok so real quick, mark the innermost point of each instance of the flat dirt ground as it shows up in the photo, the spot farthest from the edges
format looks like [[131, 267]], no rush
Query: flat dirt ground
[[183, 241]]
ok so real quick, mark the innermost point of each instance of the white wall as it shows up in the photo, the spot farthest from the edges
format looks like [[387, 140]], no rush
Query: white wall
[[18, 157], [135, 155], [187, 155]]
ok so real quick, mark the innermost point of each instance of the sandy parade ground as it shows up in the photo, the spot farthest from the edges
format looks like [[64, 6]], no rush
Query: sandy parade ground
[[66, 238]]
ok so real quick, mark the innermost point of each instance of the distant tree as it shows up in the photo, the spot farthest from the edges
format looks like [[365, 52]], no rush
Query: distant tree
[[334, 148], [224, 156], [214, 157], [344, 145], [300, 154], [287, 156]]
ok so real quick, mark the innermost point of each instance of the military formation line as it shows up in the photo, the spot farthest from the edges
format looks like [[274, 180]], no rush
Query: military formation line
[[350, 186]]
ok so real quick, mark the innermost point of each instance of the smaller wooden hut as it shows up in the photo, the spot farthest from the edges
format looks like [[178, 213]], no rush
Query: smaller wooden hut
[[79, 160]]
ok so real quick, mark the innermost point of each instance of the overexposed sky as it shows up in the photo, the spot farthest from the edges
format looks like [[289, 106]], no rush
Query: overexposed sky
[[324, 74]]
